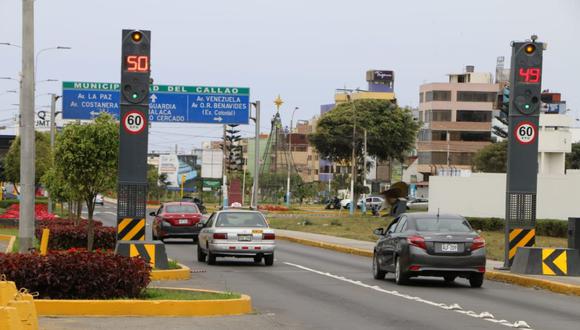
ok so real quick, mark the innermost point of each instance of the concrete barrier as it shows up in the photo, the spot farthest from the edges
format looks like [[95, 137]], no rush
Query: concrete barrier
[[546, 261]]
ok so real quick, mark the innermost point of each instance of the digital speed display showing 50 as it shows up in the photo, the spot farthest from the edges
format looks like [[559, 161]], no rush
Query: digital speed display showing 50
[[529, 75], [137, 63]]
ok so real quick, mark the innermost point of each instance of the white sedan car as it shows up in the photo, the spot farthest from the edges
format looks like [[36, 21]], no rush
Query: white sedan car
[[236, 233]]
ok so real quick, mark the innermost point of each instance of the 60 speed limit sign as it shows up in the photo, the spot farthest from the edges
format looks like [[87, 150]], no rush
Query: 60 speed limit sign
[[526, 132], [134, 122]]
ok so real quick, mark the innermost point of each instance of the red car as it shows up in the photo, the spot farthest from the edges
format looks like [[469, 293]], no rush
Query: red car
[[176, 220]]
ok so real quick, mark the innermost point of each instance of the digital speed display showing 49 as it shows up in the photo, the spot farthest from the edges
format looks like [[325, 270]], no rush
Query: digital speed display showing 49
[[529, 75]]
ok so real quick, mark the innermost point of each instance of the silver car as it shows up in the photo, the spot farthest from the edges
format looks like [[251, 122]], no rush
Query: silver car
[[236, 233]]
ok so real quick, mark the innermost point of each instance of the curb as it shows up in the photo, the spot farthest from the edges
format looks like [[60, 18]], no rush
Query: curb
[[167, 308], [491, 275], [184, 273], [11, 239]]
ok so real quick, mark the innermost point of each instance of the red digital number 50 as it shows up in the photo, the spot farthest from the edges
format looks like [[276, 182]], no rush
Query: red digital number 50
[[137, 63]]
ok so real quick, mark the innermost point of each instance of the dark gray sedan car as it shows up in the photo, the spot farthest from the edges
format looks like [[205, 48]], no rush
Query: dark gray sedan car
[[423, 244]]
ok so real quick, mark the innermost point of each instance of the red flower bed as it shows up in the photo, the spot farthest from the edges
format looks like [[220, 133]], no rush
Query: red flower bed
[[40, 212], [65, 235], [272, 207], [77, 274]]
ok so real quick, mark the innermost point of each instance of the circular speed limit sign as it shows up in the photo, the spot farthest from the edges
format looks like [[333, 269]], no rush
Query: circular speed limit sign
[[134, 122], [526, 132]]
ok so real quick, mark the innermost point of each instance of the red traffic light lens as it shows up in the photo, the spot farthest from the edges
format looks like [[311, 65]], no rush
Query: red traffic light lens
[[530, 48], [136, 36]]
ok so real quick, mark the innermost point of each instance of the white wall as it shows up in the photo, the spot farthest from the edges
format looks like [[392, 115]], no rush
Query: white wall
[[483, 195]]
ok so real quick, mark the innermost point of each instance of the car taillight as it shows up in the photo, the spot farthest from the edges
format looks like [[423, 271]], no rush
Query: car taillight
[[478, 243], [268, 236], [417, 241], [220, 236]]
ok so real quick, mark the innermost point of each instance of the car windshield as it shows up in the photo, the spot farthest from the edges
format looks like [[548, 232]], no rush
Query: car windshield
[[443, 225], [181, 209], [241, 219]]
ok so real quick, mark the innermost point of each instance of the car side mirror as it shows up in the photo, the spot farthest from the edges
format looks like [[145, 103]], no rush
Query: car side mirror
[[379, 231], [152, 214], [200, 225]]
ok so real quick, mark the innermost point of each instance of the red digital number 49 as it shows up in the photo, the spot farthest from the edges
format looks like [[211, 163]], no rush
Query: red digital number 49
[[530, 75]]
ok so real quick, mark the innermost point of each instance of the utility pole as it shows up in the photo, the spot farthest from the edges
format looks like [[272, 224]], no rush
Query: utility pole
[[289, 160], [27, 161], [245, 160], [224, 176], [256, 156], [53, 99], [353, 157], [364, 196]]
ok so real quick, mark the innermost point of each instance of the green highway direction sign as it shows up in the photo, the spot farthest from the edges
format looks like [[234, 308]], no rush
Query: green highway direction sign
[[167, 103]]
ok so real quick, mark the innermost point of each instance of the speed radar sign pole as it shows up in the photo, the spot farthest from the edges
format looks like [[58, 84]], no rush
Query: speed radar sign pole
[[132, 170], [522, 165]]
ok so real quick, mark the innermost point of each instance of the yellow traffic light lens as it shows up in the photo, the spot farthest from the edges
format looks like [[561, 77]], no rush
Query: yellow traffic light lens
[[530, 48], [136, 36]]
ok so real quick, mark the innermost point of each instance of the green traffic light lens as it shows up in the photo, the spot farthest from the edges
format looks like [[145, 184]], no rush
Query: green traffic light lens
[[526, 106], [134, 96]]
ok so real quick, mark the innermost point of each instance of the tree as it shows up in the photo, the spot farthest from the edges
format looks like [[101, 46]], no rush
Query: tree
[[305, 190], [156, 183], [391, 131], [492, 158], [86, 158], [43, 158], [573, 158]]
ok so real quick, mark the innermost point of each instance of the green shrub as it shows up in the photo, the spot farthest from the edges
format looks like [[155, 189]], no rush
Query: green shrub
[[544, 227]]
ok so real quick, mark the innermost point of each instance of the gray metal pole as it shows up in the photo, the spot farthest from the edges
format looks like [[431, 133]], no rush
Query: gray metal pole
[[53, 99], [26, 223], [256, 157]]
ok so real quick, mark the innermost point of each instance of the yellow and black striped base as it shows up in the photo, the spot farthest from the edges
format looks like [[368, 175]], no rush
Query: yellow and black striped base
[[152, 252], [131, 229], [520, 237], [547, 261]]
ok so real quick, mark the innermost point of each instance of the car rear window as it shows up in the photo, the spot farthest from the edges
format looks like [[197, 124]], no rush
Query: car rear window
[[439, 224], [181, 209], [241, 219]]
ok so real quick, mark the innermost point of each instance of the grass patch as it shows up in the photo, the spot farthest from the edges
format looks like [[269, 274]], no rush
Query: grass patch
[[13, 232], [361, 228], [168, 294], [173, 264]]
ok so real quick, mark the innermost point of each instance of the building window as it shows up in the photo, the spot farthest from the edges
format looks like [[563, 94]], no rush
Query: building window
[[424, 135], [437, 96], [438, 136], [315, 172], [465, 96], [309, 157], [421, 97], [461, 158], [316, 157], [474, 116], [470, 136], [421, 116], [437, 115]]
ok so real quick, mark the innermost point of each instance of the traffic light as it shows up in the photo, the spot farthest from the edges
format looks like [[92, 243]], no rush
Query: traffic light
[[526, 78], [136, 66]]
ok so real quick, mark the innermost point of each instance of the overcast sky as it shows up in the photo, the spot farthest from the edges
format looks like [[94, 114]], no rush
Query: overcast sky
[[300, 49]]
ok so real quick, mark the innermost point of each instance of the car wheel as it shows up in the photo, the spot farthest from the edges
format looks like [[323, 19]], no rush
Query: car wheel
[[269, 259], [476, 280], [210, 258], [257, 259], [401, 277], [378, 274], [200, 254], [449, 278]]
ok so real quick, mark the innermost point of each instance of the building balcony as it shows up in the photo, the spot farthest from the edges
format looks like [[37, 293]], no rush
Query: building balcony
[[452, 146], [459, 126]]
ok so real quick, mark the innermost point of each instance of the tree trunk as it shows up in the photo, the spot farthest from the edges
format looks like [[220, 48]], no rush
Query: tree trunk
[[69, 206], [79, 212], [90, 227]]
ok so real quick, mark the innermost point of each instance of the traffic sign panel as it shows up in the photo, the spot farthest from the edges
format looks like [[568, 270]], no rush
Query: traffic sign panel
[[167, 103], [525, 132], [134, 122]]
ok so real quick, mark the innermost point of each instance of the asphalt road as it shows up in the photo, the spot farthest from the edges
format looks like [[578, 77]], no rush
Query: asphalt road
[[312, 288]]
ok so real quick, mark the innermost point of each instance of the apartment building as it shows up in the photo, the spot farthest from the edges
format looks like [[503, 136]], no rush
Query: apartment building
[[456, 118]]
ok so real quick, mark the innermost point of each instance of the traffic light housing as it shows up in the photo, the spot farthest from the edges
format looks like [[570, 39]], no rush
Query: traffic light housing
[[136, 66], [526, 78]]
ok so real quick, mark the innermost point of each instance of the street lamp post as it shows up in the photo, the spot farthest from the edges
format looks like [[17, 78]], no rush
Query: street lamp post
[[53, 99], [254, 200], [289, 157], [44, 50]]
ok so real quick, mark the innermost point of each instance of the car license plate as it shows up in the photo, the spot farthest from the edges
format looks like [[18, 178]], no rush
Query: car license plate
[[244, 238], [446, 247], [183, 221]]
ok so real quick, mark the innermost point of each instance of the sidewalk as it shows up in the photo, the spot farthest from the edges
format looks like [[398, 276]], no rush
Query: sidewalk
[[562, 284]]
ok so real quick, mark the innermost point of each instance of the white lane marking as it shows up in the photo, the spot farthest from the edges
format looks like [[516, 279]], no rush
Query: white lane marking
[[453, 307]]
